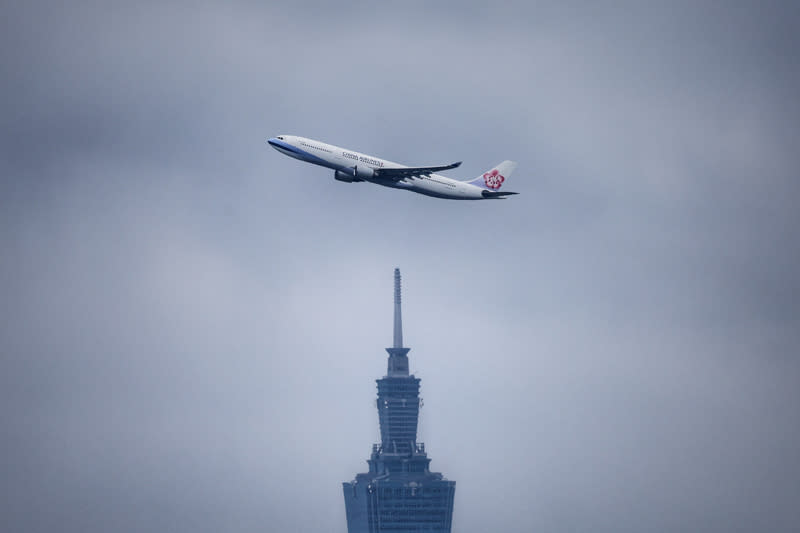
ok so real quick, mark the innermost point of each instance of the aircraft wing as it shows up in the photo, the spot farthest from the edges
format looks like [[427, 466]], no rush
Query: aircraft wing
[[396, 174]]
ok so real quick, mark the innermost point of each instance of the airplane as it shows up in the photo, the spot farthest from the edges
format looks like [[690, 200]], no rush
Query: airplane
[[350, 166]]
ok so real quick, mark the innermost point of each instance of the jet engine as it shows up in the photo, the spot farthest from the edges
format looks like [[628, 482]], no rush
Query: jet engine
[[354, 174], [363, 172], [344, 176]]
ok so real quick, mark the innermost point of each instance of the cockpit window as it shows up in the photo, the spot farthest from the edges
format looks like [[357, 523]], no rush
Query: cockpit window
[[279, 137]]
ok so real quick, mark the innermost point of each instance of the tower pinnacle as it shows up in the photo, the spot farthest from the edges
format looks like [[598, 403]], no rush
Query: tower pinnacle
[[398, 360], [398, 319]]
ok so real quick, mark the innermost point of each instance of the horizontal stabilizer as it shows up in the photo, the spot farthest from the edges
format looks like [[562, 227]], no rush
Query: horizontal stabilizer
[[397, 174], [496, 194]]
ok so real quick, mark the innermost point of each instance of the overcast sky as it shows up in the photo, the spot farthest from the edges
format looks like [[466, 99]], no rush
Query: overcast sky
[[191, 323]]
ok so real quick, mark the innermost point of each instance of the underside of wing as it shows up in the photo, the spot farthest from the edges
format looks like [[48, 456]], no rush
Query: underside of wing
[[397, 174]]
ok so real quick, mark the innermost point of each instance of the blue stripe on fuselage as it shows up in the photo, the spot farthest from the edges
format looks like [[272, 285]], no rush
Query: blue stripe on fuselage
[[293, 151]]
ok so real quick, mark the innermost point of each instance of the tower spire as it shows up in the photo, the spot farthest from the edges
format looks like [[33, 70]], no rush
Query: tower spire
[[398, 319], [398, 359]]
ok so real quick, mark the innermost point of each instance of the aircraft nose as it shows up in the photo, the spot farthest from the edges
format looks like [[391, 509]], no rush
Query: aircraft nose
[[273, 142]]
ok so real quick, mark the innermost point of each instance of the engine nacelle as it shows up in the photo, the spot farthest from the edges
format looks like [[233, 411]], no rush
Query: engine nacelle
[[363, 172], [343, 176], [357, 173]]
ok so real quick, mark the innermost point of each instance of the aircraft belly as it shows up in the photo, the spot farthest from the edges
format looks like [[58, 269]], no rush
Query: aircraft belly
[[437, 192]]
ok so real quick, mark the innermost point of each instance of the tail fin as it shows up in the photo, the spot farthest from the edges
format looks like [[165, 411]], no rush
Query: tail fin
[[492, 180]]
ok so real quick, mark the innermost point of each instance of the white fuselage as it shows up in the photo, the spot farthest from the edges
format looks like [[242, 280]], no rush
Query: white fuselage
[[344, 161]]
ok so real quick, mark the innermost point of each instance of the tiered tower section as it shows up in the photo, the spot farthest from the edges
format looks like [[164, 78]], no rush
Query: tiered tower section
[[399, 493]]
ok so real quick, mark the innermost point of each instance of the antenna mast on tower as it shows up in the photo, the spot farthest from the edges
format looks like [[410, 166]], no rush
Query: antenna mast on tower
[[398, 359]]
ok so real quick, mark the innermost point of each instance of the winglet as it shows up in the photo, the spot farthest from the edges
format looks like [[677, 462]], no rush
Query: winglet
[[443, 167]]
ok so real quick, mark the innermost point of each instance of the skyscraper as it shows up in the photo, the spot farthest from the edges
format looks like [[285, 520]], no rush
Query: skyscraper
[[399, 493]]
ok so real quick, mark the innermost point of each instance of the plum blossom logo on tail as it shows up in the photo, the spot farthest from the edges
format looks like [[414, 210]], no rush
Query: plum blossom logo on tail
[[493, 179]]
